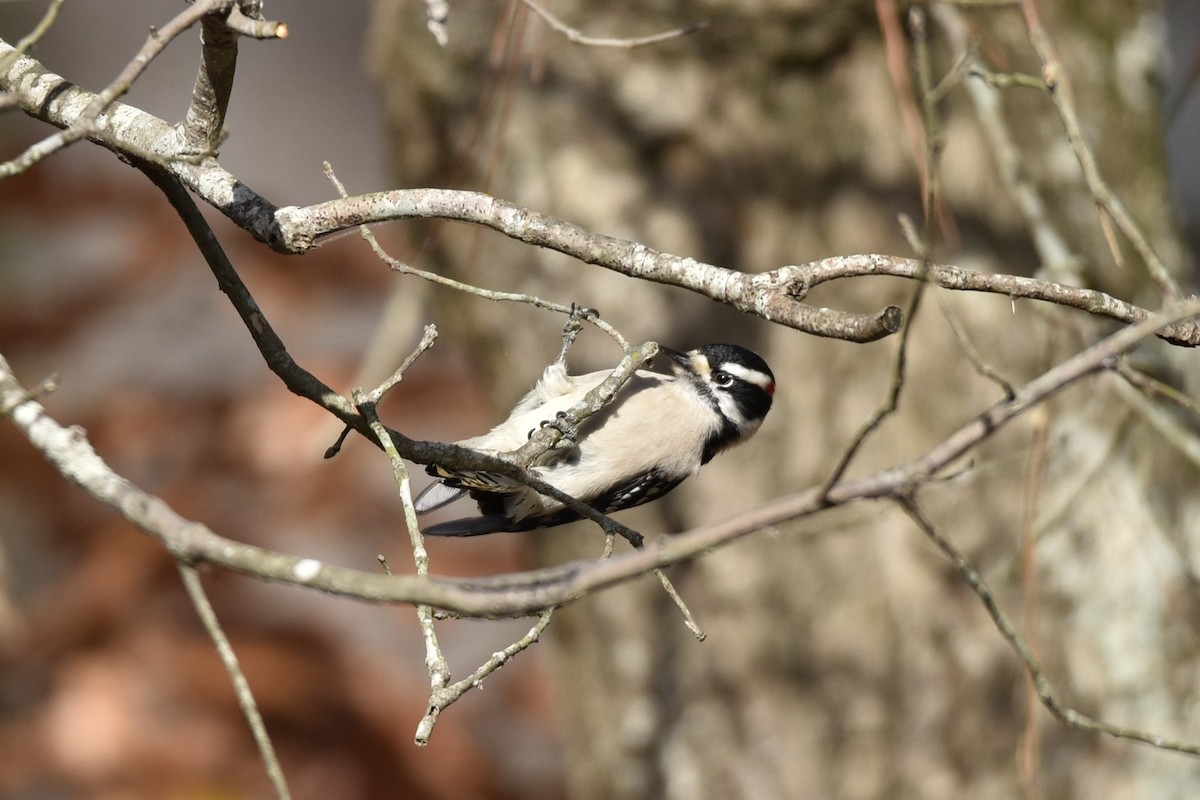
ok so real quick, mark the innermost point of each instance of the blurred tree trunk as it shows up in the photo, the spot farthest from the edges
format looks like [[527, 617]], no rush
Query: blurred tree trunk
[[845, 658]]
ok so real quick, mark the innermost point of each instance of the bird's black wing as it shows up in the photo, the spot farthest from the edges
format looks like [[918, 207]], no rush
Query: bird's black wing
[[646, 487], [642, 489]]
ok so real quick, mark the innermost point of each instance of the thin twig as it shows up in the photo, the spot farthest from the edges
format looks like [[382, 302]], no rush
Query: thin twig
[[931, 196], [1107, 203], [88, 121], [677, 599], [30, 40], [435, 660], [896, 57], [1058, 261], [241, 687], [1042, 686], [255, 27], [1154, 389], [1029, 749], [487, 294], [963, 337], [930, 184], [1143, 393], [444, 696], [574, 35], [1006, 80], [428, 337]]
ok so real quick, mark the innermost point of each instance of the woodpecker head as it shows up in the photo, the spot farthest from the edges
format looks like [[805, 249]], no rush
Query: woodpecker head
[[737, 384]]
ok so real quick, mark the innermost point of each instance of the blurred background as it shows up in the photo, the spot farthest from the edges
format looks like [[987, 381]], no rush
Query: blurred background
[[845, 658]]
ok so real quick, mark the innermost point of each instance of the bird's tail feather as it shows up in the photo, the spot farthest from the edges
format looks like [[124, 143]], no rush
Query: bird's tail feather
[[473, 526], [499, 523], [436, 495]]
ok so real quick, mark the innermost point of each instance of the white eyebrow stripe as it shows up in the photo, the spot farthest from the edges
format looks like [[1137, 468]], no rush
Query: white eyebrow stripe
[[748, 375]]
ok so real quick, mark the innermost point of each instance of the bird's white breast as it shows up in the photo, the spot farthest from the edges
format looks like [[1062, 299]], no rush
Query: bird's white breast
[[655, 422]]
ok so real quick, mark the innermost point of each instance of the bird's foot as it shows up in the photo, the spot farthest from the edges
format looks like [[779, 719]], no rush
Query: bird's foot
[[572, 327], [567, 427]]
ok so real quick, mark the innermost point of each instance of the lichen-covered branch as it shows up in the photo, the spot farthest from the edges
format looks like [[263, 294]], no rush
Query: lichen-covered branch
[[1185, 332], [761, 294], [774, 296]]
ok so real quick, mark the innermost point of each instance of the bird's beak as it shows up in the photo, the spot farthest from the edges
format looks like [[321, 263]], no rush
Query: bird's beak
[[681, 361]]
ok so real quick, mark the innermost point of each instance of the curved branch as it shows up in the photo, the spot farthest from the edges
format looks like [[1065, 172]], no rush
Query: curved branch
[[129, 131], [1185, 332], [774, 296], [760, 294]]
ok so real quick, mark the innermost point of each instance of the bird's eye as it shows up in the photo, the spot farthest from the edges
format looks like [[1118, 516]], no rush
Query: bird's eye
[[722, 378]]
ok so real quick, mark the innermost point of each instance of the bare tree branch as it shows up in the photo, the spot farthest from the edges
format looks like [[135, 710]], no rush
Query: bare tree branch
[[185, 156], [91, 119], [127, 130], [241, 687], [443, 696], [298, 229], [1186, 332], [435, 659], [1108, 205], [521, 593], [1042, 686], [1058, 261], [774, 296], [30, 40], [487, 294]]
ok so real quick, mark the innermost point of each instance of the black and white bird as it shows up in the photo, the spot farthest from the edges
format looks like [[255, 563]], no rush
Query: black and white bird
[[657, 431]]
